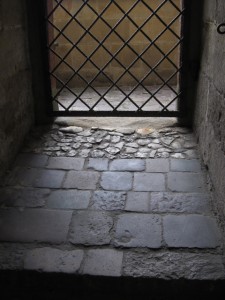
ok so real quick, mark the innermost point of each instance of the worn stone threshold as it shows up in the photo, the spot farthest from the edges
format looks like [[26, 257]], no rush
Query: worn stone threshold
[[118, 218]]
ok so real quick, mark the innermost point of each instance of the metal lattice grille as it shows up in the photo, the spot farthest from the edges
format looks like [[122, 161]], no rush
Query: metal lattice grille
[[109, 57]]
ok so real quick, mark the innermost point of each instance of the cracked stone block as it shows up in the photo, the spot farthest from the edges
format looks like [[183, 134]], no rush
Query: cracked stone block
[[98, 164], [157, 165], [137, 201], [31, 160], [84, 180], [37, 178], [180, 202], [185, 182], [103, 262], [91, 228], [53, 260], [28, 197], [174, 265], [65, 163], [149, 182], [68, 199], [185, 165], [116, 181], [191, 231], [127, 165], [105, 200], [138, 230], [34, 225]]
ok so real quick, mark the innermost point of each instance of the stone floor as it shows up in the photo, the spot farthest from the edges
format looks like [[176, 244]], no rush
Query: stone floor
[[117, 203]]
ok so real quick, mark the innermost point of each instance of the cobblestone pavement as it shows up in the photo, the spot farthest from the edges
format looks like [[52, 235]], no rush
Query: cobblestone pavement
[[139, 217]]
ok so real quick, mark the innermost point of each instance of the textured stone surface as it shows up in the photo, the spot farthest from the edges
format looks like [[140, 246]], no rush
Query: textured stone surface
[[185, 182], [65, 163], [174, 265], [53, 260], [127, 165], [105, 200], [68, 199], [180, 202], [149, 182], [28, 197], [191, 231], [98, 164], [138, 230], [84, 180], [31, 160], [181, 165], [104, 262], [137, 201], [33, 225], [91, 228], [116, 181], [36, 178], [157, 165]]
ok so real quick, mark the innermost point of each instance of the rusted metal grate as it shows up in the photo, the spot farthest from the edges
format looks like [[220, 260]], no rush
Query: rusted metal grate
[[82, 84]]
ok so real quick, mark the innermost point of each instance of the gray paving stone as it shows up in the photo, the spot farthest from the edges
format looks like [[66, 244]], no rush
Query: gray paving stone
[[31, 160], [127, 165], [103, 262], [34, 225], [149, 182], [36, 178], [53, 260], [11, 256], [116, 181], [185, 165], [91, 228], [105, 200], [173, 265], [68, 199], [137, 201], [157, 165], [98, 164], [24, 197], [191, 231], [138, 230], [180, 202], [65, 163], [84, 180], [185, 182]]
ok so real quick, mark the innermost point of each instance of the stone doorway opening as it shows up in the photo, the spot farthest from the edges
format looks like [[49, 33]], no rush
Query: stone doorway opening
[[115, 58]]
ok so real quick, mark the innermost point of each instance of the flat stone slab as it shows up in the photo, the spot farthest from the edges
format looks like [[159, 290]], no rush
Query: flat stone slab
[[127, 165], [185, 182], [103, 262], [36, 178], [138, 230], [149, 182], [91, 228], [65, 163], [53, 260], [34, 225], [106, 200], [23, 197], [180, 203], [68, 199], [98, 164], [191, 231], [84, 180], [174, 265], [31, 160], [185, 165], [137, 201], [160, 165], [118, 181]]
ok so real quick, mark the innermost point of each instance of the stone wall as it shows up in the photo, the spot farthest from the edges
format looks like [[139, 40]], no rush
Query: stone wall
[[113, 43], [210, 107], [16, 107]]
